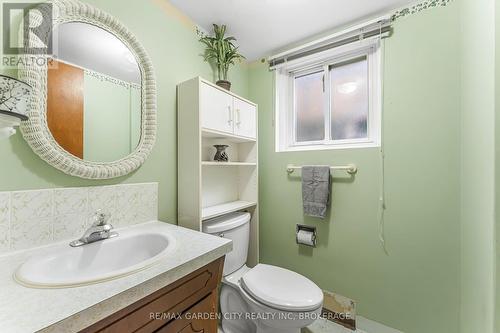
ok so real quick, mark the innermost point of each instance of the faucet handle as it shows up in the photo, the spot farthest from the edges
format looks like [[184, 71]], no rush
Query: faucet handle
[[101, 218]]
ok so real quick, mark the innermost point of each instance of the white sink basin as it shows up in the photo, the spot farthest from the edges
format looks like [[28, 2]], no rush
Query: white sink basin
[[65, 266]]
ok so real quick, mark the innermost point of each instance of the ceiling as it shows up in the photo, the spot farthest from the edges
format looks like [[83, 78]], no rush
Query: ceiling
[[264, 26]]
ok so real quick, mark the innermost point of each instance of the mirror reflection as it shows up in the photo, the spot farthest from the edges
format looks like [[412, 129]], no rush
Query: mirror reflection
[[93, 94]]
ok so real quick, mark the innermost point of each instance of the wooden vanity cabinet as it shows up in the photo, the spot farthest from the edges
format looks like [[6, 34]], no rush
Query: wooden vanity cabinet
[[187, 305]]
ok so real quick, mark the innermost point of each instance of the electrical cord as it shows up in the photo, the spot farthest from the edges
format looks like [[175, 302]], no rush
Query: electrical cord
[[382, 199]]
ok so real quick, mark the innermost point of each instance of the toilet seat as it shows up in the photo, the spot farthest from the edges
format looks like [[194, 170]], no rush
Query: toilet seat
[[281, 288]]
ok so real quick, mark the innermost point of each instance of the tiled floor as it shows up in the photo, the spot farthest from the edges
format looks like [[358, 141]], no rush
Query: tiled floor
[[324, 326]]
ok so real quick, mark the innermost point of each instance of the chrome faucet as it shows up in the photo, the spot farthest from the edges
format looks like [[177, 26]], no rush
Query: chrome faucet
[[99, 230]]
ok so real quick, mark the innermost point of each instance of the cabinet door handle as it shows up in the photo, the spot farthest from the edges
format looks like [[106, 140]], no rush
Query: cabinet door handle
[[230, 114], [238, 115]]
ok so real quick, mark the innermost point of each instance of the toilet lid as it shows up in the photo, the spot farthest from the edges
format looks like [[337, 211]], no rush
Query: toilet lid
[[282, 289]]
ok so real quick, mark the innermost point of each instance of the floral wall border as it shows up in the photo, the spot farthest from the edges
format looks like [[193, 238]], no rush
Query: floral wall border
[[104, 77], [419, 7]]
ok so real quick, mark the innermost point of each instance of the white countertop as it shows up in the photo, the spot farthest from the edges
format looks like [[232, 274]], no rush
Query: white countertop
[[24, 310]]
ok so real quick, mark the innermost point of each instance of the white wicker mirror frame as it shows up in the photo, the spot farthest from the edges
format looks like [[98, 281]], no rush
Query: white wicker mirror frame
[[36, 131]]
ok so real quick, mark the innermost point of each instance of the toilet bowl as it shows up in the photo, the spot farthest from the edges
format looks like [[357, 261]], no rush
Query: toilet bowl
[[265, 298]]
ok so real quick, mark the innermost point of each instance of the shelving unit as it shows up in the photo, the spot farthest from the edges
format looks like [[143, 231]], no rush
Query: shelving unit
[[209, 115], [224, 164], [207, 133], [225, 208]]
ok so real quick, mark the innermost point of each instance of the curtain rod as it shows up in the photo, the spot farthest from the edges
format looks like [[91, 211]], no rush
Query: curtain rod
[[334, 36], [360, 36]]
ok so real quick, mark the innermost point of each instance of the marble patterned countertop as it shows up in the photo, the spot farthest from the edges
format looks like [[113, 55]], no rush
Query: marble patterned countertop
[[24, 310]]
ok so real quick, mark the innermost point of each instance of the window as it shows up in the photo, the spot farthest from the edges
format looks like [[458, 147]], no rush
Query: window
[[330, 100]]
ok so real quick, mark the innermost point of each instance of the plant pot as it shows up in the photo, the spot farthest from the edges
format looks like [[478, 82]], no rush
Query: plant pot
[[224, 84]]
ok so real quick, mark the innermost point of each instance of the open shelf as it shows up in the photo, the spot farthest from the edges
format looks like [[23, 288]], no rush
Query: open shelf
[[214, 163], [206, 133], [239, 153], [225, 208]]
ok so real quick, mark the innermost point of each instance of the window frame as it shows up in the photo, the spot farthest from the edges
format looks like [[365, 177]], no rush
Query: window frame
[[285, 115]]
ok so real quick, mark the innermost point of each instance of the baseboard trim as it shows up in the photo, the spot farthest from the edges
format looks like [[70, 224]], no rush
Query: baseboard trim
[[339, 318]]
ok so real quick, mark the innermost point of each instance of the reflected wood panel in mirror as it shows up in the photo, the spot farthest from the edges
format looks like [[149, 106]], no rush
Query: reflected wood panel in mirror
[[65, 107]]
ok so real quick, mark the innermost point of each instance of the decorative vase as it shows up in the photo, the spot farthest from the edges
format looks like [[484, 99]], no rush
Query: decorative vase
[[224, 84], [221, 155]]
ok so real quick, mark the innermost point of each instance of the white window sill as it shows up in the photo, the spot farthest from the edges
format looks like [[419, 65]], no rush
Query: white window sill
[[329, 147]]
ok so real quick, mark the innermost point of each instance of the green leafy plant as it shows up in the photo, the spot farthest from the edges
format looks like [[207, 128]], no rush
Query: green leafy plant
[[220, 50]]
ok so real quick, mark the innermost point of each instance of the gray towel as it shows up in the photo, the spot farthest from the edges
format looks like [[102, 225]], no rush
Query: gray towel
[[315, 190]]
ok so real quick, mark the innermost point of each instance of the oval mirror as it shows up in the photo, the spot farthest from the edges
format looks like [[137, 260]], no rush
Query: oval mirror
[[93, 106]]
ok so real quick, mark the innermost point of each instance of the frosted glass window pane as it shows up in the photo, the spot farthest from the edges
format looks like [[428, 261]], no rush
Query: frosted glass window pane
[[349, 100], [309, 114]]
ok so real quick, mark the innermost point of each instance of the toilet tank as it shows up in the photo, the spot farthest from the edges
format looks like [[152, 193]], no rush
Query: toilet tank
[[236, 227]]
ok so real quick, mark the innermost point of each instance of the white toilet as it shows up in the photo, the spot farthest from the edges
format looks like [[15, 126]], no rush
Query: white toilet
[[263, 299]]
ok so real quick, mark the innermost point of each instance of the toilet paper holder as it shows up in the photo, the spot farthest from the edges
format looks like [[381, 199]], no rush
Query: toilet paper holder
[[305, 228]]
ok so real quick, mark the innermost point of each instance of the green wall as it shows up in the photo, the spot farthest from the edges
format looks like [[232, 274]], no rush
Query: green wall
[[497, 162], [107, 103], [416, 287], [478, 166], [171, 42]]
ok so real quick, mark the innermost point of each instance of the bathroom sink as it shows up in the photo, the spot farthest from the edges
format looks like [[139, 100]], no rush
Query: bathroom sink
[[65, 266]]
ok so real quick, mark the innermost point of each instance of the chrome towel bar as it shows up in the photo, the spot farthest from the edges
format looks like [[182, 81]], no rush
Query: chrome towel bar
[[351, 168]]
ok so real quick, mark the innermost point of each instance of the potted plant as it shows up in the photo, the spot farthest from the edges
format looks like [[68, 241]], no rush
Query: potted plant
[[221, 51]]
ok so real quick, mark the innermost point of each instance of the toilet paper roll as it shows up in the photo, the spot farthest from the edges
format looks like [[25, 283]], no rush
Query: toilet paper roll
[[306, 237]]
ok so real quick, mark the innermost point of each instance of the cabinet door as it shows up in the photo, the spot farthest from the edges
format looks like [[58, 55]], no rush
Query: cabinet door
[[216, 109], [201, 318], [245, 119]]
